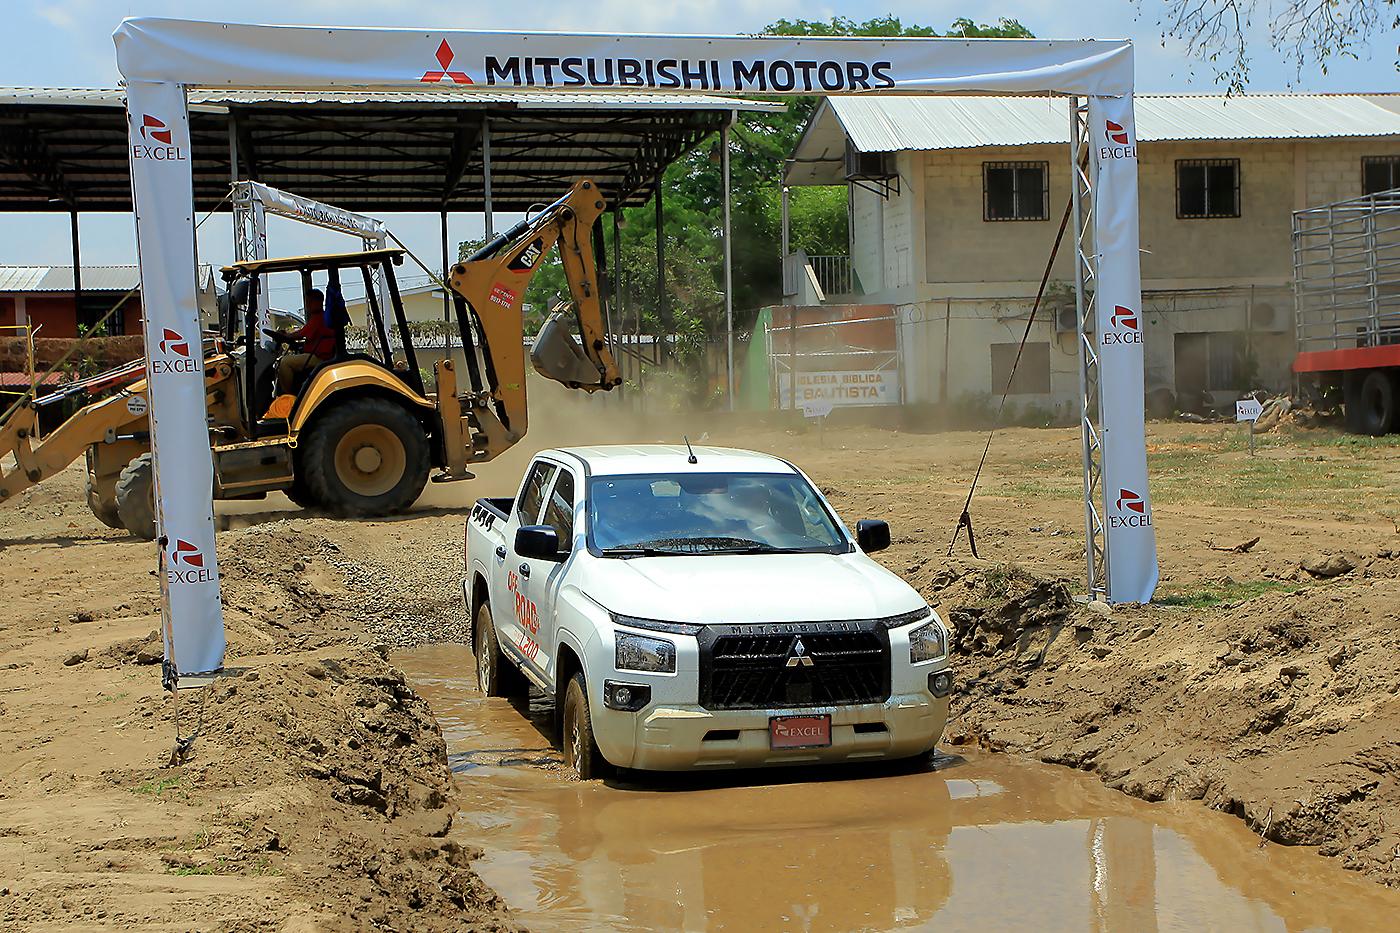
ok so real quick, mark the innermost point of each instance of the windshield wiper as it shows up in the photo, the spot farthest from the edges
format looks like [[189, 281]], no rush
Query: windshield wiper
[[630, 551], [759, 549]]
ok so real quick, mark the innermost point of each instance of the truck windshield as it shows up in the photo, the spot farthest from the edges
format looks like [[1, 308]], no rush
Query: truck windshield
[[710, 513]]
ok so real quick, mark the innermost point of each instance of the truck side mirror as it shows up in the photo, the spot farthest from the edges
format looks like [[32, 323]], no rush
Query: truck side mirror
[[538, 542], [872, 535]]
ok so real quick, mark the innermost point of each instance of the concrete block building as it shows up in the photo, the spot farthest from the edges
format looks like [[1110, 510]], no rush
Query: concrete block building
[[954, 203]]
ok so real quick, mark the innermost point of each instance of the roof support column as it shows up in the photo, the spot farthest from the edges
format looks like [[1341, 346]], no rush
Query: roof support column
[[617, 281], [728, 266], [446, 277], [663, 310], [486, 177], [785, 240], [77, 268]]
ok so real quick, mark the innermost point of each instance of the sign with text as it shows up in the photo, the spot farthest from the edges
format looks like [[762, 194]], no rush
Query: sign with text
[[841, 389], [1248, 409]]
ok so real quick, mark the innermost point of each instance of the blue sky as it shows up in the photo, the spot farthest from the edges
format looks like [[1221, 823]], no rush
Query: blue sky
[[67, 43]]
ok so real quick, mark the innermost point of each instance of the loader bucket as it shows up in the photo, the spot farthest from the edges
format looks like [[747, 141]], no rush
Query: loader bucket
[[557, 355]]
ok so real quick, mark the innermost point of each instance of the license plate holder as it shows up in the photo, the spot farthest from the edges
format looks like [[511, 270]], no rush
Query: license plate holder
[[799, 731]]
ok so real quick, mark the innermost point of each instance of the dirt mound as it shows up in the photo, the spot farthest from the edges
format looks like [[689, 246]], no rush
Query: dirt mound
[[1281, 709]]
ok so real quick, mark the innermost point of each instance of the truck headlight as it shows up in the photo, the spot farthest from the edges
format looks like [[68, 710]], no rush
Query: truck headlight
[[928, 642], [640, 653]]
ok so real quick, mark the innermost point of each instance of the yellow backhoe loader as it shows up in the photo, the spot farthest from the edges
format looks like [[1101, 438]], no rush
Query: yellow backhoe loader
[[361, 433]]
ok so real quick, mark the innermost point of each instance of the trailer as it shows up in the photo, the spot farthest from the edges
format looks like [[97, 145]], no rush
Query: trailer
[[1346, 293]]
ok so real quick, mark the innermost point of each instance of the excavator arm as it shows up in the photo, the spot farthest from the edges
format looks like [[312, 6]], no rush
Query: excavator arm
[[484, 420]]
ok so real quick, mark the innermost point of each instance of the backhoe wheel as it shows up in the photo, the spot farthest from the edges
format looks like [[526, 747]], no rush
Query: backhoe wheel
[[363, 457], [581, 753], [104, 507], [495, 675], [136, 502], [299, 494], [1371, 404]]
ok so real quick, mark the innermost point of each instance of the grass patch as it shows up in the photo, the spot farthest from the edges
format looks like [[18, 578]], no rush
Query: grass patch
[[157, 786], [1234, 591], [209, 868]]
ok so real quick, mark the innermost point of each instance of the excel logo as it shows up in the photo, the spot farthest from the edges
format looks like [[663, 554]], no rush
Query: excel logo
[[1130, 511], [1122, 327], [158, 143], [1119, 142], [186, 564], [173, 355]]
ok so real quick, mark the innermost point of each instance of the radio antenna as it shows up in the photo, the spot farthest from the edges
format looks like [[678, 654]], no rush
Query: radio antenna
[[692, 458]]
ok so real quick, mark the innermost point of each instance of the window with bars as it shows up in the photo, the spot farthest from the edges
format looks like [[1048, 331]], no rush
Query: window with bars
[[1207, 188], [1379, 173], [1015, 190]]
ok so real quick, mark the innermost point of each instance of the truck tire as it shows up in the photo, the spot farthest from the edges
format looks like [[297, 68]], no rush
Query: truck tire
[[495, 675], [581, 753], [1370, 403], [365, 457], [104, 507], [136, 503], [299, 494]]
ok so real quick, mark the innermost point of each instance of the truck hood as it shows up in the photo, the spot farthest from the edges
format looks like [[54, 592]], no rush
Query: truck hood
[[758, 588]]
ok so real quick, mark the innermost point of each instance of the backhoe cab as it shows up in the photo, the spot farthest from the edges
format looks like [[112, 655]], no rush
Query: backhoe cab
[[358, 433]]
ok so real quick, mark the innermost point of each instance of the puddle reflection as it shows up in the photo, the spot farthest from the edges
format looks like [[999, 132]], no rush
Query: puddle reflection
[[990, 842]]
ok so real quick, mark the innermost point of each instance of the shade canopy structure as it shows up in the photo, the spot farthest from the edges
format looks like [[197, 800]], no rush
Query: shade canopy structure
[[164, 61], [370, 150]]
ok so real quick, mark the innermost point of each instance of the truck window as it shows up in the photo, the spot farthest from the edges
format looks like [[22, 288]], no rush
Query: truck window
[[559, 511], [532, 495], [710, 513]]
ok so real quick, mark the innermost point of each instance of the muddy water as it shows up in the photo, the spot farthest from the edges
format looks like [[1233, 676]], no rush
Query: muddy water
[[977, 842]]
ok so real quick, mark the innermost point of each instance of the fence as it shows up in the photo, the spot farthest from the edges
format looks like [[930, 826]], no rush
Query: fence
[[1346, 273]]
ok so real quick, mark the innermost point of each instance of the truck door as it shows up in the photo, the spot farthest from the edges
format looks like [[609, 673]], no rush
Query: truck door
[[547, 577], [510, 601]]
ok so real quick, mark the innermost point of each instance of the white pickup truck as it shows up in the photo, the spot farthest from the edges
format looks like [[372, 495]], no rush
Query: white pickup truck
[[692, 609]]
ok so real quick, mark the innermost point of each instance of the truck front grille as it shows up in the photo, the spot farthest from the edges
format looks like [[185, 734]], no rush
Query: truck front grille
[[798, 665]]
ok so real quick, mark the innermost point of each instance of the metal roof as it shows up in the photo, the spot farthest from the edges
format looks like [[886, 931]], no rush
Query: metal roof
[[95, 278], [893, 124], [360, 150]]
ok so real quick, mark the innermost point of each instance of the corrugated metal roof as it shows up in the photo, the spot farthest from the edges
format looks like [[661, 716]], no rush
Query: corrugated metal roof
[[95, 278], [891, 124], [523, 99], [21, 278]]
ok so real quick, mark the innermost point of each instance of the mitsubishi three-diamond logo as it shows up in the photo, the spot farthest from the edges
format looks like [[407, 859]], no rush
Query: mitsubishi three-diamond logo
[[445, 55]]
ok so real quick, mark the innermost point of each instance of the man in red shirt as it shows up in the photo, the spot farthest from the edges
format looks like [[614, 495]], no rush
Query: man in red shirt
[[317, 342]]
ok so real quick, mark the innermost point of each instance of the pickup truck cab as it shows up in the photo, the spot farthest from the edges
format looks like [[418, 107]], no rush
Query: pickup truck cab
[[697, 609]]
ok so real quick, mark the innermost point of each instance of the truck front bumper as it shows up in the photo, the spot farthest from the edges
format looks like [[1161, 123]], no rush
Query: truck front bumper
[[675, 737]]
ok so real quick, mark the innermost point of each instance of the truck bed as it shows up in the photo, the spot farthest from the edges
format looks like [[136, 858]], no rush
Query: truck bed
[[499, 506]]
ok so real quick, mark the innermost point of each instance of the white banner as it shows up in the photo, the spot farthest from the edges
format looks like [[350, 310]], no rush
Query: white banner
[[244, 56], [841, 389], [1131, 544], [162, 185], [159, 57]]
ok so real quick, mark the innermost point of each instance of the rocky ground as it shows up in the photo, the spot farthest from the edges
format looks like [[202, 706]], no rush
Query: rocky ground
[[318, 796]]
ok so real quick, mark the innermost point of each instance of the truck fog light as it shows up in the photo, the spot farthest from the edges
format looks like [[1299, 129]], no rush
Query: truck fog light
[[626, 697], [940, 684]]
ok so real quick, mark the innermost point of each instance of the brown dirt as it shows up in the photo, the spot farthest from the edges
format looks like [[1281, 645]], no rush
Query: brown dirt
[[1262, 689]]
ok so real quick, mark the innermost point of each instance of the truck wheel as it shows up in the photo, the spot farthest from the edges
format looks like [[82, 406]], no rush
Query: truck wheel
[[366, 456], [299, 494], [104, 507], [136, 502], [495, 675], [1370, 404], [581, 754]]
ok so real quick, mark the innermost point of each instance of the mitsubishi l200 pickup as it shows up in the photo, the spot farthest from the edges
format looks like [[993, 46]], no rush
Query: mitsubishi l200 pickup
[[704, 608]]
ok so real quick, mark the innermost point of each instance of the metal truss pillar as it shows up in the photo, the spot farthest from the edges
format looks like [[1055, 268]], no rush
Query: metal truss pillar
[[1090, 384]]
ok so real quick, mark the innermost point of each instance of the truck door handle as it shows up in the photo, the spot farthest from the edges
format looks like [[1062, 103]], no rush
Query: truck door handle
[[525, 571], [500, 552]]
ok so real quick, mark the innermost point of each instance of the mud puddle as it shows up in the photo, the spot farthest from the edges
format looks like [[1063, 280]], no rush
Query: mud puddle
[[983, 842]]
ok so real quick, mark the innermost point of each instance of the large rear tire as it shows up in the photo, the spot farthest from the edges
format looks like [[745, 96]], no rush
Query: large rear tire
[[104, 507], [135, 495], [364, 457], [581, 753], [1370, 403], [495, 675]]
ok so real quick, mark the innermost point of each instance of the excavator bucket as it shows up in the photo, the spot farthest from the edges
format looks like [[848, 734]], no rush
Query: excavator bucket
[[557, 355]]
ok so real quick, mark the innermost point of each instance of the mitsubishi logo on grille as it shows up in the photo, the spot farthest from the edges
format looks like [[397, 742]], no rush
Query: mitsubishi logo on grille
[[799, 658]]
